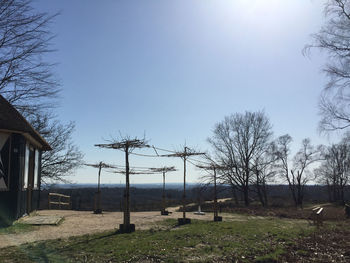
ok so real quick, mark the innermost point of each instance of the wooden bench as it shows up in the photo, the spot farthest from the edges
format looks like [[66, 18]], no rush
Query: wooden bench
[[56, 199], [317, 216]]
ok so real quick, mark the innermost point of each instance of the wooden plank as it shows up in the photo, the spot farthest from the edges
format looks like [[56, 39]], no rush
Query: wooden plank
[[59, 195], [60, 203], [41, 220]]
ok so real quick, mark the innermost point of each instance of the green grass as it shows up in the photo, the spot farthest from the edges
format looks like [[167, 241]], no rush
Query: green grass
[[258, 240], [16, 229]]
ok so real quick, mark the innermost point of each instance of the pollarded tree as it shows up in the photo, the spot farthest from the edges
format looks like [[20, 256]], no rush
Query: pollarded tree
[[334, 39], [296, 175], [237, 141]]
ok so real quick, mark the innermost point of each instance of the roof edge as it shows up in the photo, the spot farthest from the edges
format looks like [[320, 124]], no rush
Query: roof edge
[[35, 134]]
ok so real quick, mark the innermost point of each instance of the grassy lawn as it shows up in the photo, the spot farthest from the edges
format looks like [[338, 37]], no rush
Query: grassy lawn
[[258, 240]]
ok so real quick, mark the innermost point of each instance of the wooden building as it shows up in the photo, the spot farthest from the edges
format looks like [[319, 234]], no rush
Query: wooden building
[[21, 147]]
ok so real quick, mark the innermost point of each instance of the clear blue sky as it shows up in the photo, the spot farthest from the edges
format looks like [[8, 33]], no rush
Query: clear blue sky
[[172, 69]]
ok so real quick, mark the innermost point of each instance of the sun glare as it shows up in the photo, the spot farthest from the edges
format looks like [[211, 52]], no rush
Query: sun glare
[[270, 17]]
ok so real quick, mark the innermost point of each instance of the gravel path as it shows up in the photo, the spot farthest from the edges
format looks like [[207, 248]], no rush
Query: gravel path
[[84, 222]]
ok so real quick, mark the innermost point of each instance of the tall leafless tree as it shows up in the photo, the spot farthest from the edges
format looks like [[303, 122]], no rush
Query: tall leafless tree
[[296, 175], [264, 172], [334, 170], [64, 157], [237, 141], [334, 39], [27, 81]]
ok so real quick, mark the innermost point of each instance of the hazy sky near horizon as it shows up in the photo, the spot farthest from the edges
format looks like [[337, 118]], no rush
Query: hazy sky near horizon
[[172, 69]]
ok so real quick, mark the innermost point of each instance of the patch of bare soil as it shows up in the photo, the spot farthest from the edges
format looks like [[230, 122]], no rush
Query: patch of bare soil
[[327, 245]]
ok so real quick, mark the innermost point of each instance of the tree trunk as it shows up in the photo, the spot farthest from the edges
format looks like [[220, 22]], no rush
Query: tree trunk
[[342, 195], [300, 195], [292, 190], [329, 190], [246, 185], [246, 196], [259, 190], [234, 193], [264, 187], [261, 195]]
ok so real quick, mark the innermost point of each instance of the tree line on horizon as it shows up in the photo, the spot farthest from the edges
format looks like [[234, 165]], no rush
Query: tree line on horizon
[[249, 158]]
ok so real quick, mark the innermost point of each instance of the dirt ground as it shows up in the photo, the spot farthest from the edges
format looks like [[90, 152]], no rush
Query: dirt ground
[[326, 245], [77, 223]]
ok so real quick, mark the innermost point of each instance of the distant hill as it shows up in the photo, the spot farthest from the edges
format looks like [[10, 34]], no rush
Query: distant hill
[[148, 197]]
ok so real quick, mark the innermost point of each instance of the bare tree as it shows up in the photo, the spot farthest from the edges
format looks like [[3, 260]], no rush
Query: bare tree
[[28, 82], [26, 79], [237, 141], [335, 170], [297, 175], [64, 157], [264, 172], [334, 39]]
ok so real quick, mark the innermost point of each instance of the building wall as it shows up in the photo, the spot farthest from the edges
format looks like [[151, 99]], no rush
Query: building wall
[[9, 197], [13, 201]]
